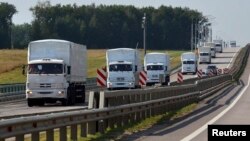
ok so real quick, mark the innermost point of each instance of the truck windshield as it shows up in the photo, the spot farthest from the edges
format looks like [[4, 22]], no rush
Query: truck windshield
[[204, 54], [45, 68], [120, 67], [154, 67], [188, 62]]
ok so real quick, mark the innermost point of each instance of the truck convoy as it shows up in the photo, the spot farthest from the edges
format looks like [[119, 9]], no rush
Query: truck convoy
[[123, 68], [205, 54], [189, 63], [56, 72], [218, 46], [157, 66]]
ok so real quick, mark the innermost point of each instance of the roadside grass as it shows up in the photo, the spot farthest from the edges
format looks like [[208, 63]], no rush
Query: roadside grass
[[11, 62], [119, 133], [11, 59]]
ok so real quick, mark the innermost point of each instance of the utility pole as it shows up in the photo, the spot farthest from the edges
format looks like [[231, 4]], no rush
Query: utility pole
[[192, 38], [144, 26]]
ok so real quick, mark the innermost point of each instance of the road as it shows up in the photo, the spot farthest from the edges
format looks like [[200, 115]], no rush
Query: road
[[20, 107], [229, 106]]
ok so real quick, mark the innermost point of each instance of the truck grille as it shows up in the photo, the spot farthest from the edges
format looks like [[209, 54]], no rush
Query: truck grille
[[120, 78], [45, 85]]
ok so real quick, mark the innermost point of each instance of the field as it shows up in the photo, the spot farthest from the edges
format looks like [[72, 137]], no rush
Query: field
[[11, 62]]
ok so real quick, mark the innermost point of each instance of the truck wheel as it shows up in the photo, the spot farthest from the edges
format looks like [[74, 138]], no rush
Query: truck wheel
[[83, 95], [67, 101], [30, 102], [40, 102]]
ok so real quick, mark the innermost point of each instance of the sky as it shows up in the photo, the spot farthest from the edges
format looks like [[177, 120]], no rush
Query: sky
[[230, 18]]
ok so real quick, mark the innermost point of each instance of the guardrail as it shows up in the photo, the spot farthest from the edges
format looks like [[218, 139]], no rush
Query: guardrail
[[111, 113]]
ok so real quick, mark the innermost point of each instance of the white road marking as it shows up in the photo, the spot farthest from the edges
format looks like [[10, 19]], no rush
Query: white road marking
[[204, 127]]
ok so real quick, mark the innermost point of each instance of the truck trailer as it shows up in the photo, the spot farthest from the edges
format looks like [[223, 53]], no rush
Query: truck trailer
[[56, 72]]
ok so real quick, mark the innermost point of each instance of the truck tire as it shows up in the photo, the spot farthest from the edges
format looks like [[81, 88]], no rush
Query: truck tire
[[166, 81], [67, 101], [40, 102], [83, 95], [30, 102]]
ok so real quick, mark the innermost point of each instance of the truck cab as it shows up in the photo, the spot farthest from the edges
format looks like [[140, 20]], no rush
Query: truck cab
[[123, 68], [205, 54], [46, 78], [157, 66], [121, 74], [188, 63], [213, 52]]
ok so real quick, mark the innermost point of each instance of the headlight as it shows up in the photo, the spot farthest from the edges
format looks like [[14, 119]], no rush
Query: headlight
[[29, 92]]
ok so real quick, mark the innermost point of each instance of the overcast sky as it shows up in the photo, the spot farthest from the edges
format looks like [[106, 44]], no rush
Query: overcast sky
[[230, 18]]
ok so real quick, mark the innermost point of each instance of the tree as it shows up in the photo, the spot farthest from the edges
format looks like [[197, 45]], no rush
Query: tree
[[6, 13], [21, 35]]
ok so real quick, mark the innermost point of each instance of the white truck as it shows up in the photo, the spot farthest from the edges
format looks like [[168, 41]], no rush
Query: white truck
[[205, 54], [218, 45], [232, 43], [157, 66], [123, 68], [212, 46], [56, 72], [189, 63]]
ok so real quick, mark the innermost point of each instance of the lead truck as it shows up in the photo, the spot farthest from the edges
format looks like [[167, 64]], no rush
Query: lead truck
[[157, 66], [56, 72], [123, 68]]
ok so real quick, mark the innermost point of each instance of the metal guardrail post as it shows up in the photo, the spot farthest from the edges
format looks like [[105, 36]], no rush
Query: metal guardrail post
[[50, 135], [63, 133]]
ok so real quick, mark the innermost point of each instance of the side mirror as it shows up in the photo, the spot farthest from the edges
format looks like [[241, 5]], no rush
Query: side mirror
[[68, 68], [24, 67]]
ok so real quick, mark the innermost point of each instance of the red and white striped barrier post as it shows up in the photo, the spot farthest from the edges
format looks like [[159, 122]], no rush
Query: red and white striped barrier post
[[199, 73], [101, 77], [142, 78], [210, 73], [219, 71], [179, 77], [225, 71]]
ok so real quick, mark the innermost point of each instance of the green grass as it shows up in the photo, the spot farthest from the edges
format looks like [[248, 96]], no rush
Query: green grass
[[12, 60]]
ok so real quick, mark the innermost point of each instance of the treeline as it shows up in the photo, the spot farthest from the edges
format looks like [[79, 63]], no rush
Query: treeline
[[109, 26]]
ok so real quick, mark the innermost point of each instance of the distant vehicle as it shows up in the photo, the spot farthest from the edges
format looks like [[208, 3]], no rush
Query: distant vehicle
[[204, 73], [232, 43], [57, 71], [205, 55], [189, 63], [218, 46], [213, 52], [157, 66], [212, 68], [212, 46], [123, 68]]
